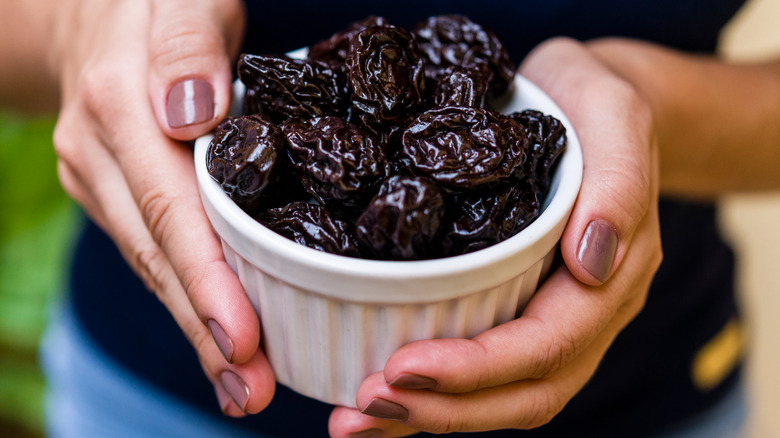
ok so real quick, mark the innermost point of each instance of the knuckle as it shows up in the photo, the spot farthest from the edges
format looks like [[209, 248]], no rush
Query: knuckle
[[184, 43], [547, 404], [558, 353], [149, 263], [156, 208], [445, 425]]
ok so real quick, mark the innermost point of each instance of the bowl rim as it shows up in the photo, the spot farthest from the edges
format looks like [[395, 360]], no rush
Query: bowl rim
[[281, 258]]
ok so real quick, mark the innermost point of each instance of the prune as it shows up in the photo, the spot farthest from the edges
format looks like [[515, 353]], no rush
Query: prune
[[462, 148], [244, 157], [333, 51], [386, 76], [483, 219], [456, 40], [339, 164], [547, 138], [283, 88], [313, 226], [403, 220], [461, 86]]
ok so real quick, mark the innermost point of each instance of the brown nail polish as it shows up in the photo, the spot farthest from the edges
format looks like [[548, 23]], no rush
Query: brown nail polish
[[221, 339], [382, 408], [189, 102], [597, 249], [368, 433], [413, 381], [236, 387]]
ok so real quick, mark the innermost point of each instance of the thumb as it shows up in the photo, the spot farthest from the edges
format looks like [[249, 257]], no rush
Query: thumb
[[615, 128], [192, 45]]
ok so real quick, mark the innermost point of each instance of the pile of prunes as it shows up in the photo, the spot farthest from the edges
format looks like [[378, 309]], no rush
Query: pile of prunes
[[379, 143]]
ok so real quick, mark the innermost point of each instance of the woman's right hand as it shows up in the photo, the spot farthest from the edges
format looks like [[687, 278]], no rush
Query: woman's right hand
[[138, 80]]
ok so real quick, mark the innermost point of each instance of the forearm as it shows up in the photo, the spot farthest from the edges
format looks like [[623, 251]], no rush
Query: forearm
[[27, 74], [718, 124]]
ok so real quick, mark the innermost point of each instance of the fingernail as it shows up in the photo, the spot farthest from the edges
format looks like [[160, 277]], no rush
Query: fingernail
[[236, 388], [597, 249], [190, 101], [382, 408], [222, 340], [413, 381], [368, 433]]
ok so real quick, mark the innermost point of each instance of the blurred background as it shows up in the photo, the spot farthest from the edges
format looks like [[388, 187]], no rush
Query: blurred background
[[37, 222]]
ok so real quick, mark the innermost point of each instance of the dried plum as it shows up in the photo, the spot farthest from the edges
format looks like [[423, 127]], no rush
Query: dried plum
[[402, 221], [313, 226], [447, 40], [244, 157], [386, 76], [547, 139], [333, 51], [283, 88], [339, 164], [482, 219], [461, 86], [462, 147]]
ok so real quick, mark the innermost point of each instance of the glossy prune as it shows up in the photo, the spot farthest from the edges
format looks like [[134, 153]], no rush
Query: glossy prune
[[333, 51], [461, 86], [447, 40], [482, 219], [339, 164], [245, 158], [313, 226], [386, 76], [547, 139], [402, 221], [463, 148], [283, 88]]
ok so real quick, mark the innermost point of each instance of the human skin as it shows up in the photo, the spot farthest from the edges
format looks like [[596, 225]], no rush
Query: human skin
[[114, 64]]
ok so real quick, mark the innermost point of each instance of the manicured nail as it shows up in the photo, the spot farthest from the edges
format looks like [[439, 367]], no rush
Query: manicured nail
[[190, 101], [597, 249], [368, 433], [413, 381], [236, 388], [222, 340], [382, 408]]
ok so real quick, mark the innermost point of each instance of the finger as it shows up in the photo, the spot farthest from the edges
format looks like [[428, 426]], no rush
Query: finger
[[614, 126], [351, 423], [559, 323], [160, 175], [192, 45], [518, 405], [109, 190], [562, 319]]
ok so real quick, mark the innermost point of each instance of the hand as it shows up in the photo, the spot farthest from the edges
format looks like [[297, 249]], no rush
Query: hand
[[137, 76], [522, 373]]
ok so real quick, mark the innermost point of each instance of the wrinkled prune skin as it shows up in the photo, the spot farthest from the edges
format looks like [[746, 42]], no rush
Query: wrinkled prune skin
[[483, 219], [333, 51], [313, 226], [339, 164], [547, 139], [464, 148], [403, 220], [461, 86], [447, 40], [283, 88], [245, 158], [386, 76]]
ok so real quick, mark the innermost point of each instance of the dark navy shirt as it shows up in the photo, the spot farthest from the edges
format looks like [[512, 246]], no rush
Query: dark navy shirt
[[643, 383]]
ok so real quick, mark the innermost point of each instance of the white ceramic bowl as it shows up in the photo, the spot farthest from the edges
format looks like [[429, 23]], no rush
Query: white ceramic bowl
[[329, 321]]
